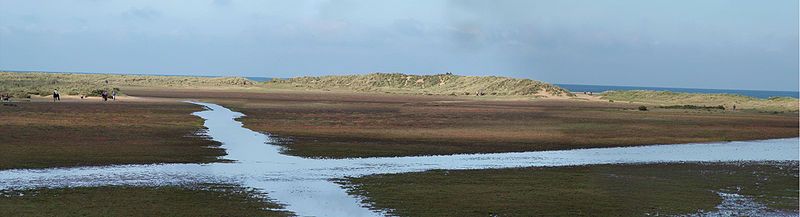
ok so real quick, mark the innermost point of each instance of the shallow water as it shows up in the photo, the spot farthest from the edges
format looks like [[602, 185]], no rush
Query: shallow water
[[739, 205], [304, 185]]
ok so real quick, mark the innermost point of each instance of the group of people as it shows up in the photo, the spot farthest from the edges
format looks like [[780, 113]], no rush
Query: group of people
[[105, 95]]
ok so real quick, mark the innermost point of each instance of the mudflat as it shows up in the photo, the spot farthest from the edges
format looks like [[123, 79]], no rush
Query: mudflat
[[340, 125], [91, 132]]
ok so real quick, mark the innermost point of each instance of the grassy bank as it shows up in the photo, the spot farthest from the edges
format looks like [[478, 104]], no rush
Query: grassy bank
[[204, 200], [22, 85], [785, 104], [338, 125], [46, 134], [605, 190]]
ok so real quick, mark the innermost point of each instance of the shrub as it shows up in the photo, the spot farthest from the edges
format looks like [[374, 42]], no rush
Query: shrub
[[720, 107], [642, 108], [96, 92]]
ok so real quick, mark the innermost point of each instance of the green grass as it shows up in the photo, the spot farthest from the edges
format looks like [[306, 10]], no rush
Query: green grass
[[667, 98], [191, 201], [604, 190]]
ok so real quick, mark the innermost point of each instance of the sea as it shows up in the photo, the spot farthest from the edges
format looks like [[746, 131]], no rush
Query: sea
[[752, 93], [764, 94], [262, 79]]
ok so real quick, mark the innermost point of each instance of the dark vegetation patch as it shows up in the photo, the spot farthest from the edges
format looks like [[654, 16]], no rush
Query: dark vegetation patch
[[719, 107], [201, 200], [604, 190]]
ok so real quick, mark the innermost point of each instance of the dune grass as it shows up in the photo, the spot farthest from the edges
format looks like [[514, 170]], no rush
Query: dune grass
[[441, 84], [667, 98], [602, 190], [196, 200], [23, 85]]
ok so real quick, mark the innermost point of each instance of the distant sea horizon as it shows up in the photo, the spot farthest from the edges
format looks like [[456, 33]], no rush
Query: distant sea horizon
[[764, 94]]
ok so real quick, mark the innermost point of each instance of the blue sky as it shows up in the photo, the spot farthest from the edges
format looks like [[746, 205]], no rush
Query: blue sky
[[676, 43]]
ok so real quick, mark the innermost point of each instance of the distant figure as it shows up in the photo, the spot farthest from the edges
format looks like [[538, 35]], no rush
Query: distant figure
[[590, 93], [734, 107], [56, 96], [6, 98], [104, 95], [114, 95]]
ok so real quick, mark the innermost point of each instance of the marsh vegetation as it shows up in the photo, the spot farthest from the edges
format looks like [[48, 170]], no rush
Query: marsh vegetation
[[43, 134], [602, 190], [340, 125], [190, 201]]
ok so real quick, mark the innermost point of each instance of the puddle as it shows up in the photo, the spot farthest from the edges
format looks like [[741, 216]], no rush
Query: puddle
[[739, 205], [304, 185]]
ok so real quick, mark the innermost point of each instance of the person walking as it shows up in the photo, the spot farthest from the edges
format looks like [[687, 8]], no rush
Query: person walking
[[104, 95], [56, 96], [114, 95]]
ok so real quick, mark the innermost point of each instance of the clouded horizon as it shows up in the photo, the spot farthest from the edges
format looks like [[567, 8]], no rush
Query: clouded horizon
[[696, 44]]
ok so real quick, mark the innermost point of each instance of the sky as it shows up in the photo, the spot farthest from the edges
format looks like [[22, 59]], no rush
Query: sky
[[664, 43]]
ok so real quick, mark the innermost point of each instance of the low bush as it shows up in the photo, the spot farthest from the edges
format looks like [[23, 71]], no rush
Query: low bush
[[720, 107]]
